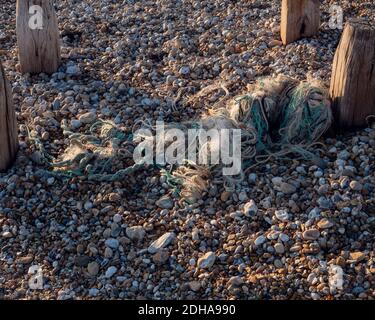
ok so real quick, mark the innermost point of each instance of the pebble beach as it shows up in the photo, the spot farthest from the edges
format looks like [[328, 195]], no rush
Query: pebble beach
[[280, 235]]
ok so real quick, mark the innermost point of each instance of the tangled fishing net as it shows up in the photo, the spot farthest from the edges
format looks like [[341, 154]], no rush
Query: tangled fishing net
[[277, 117], [104, 154]]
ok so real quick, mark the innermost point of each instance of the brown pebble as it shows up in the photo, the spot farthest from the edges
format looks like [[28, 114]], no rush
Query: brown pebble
[[311, 234], [325, 224], [25, 260], [160, 257], [357, 256], [225, 195], [194, 285]]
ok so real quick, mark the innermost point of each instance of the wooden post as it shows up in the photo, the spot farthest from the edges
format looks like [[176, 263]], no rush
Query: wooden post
[[299, 19], [8, 124], [353, 76], [37, 36]]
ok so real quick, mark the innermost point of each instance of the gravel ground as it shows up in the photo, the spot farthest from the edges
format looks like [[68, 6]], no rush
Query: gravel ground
[[277, 237]]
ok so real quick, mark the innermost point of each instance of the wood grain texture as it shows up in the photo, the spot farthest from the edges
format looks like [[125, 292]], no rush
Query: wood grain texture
[[8, 124], [353, 75], [39, 49], [299, 19]]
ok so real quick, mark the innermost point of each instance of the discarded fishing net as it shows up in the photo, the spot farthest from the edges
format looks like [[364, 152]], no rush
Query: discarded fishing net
[[278, 117], [102, 155]]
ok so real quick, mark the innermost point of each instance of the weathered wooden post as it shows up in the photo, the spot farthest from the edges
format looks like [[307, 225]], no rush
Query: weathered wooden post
[[37, 36], [8, 124], [299, 19], [353, 76]]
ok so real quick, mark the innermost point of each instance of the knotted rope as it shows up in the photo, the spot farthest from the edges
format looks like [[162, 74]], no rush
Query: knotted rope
[[99, 155], [278, 117]]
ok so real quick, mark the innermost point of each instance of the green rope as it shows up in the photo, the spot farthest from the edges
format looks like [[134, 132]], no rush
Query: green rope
[[101, 133], [278, 118]]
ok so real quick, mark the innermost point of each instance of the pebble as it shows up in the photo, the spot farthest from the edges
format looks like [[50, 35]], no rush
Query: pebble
[[114, 197], [136, 233], [318, 174], [314, 213], [279, 248], [357, 256], [284, 237], [324, 224], [165, 202], [260, 240], [25, 260], [7, 235], [110, 272], [315, 296], [287, 188], [235, 281], [93, 268], [358, 290], [278, 263], [282, 215], [194, 286], [250, 209], [252, 178], [311, 234], [356, 186], [206, 261], [72, 70], [82, 261], [93, 292], [225, 195], [343, 155], [56, 104], [195, 235], [274, 43], [277, 181], [160, 257], [242, 196], [117, 218], [112, 243], [312, 278], [88, 205], [184, 70], [161, 242], [87, 117], [301, 170], [75, 124], [323, 190], [324, 203], [108, 253]]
